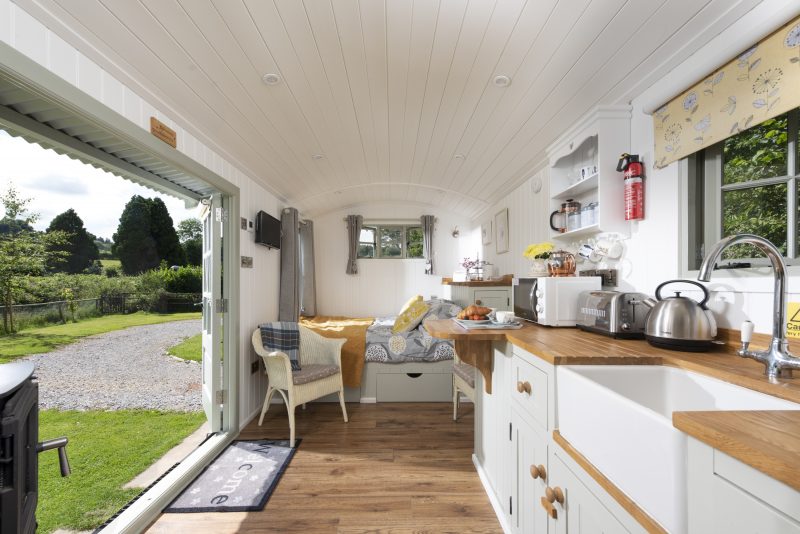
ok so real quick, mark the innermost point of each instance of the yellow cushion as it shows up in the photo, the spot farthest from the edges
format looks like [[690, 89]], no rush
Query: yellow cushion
[[409, 319], [407, 305]]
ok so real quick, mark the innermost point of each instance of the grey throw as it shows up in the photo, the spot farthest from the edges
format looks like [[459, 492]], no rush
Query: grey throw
[[354, 223], [428, 222], [289, 303], [308, 290]]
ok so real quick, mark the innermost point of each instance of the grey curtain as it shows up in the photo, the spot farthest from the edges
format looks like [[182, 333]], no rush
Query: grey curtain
[[308, 290], [427, 241], [354, 223], [289, 303]]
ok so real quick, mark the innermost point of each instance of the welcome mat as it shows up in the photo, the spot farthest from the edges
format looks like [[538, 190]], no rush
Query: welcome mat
[[241, 479]]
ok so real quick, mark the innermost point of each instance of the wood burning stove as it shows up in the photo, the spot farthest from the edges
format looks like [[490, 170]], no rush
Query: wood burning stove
[[19, 448]]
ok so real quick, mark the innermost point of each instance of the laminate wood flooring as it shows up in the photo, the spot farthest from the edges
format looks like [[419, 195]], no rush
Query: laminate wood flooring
[[394, 468]]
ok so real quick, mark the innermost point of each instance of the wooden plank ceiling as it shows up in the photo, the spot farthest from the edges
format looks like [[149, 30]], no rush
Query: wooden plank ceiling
[[389, 92]]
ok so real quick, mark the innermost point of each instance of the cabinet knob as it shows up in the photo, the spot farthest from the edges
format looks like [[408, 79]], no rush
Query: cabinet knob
[[549, 508], [554, 495], [538, 471], [524, 387], [478, 302]]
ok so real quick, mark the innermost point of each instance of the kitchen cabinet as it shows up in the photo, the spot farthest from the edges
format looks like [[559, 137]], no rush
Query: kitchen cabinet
[[583, 168], [491, 296], [730, 497], [530, 475]]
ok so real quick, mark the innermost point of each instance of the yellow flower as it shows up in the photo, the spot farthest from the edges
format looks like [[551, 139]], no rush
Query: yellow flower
[[537, 249]]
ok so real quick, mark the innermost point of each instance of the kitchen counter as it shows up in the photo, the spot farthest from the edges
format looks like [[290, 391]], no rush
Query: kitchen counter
[[765, 440]]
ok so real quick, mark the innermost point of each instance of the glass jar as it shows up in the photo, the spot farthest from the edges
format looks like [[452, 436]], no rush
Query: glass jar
[[587, 215], [572, 208]]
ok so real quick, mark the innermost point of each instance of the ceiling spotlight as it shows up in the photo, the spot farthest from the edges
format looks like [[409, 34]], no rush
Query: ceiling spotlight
[[271, 78], [502, 81], [317, 156], [460, 157]]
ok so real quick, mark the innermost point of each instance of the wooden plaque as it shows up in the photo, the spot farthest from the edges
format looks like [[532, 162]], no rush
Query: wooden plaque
[[163, 132]]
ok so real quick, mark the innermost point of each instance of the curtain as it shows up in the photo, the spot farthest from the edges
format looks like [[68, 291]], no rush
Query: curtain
[[289, 300], [427, 241], [354, 223], [308, 290], [760, 83]]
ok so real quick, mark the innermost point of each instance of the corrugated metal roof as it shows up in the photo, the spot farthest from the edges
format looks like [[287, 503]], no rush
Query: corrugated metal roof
[[25, 113]]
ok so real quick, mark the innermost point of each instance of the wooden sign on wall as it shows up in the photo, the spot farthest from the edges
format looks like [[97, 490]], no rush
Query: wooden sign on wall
[[163, 132]]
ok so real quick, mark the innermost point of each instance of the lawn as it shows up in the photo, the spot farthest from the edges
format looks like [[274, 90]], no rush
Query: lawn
[[111, 263], [106, 450], [189, 349], [47, 338]]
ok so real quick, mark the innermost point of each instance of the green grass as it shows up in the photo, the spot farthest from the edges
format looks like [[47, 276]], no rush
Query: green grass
[[111, 263], [189, 349], [106, 450], [47, 338]]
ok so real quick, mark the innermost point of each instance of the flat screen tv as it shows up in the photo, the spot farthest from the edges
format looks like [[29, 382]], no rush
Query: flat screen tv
[[268, 230]]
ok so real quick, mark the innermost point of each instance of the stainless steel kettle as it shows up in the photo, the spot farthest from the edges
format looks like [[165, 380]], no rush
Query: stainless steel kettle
[[680, 323]]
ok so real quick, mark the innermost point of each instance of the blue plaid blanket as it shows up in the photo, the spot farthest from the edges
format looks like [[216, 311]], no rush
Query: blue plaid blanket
[[284, 337]]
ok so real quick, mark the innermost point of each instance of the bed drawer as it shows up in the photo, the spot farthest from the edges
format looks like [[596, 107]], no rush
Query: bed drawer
[[415, 387]]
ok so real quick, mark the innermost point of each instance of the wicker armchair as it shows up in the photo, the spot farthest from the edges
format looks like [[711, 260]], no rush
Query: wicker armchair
[[463, 381], [321, 360]]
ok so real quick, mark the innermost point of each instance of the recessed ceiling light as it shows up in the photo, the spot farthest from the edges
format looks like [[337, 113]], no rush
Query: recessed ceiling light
[[502, 81], [460, 157], [317, 156], [271, 78]]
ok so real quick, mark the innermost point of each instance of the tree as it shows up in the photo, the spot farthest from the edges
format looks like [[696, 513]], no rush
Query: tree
[[190, 233], [22, 253], [163, 231], [134, 244], [79, 250]]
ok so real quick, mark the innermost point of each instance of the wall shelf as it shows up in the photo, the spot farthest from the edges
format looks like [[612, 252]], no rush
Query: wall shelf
[[580, 232], [578, 188]]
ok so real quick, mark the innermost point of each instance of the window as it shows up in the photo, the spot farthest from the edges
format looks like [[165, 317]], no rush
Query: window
[[747, 183], [390, 241]]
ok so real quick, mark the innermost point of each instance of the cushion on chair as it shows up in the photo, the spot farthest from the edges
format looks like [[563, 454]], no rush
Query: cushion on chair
[[466, 372], [313, 372], [284, 337]]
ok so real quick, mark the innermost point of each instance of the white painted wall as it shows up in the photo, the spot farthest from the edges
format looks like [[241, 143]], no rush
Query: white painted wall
[[258, 301], [381, 286], [653, 250]]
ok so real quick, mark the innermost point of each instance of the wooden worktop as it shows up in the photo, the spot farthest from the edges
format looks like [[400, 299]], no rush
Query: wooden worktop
[[504, 281], [571, 346], [765, 440]]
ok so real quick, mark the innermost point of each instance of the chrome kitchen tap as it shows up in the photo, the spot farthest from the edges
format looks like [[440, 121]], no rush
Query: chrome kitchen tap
[[778, 360]]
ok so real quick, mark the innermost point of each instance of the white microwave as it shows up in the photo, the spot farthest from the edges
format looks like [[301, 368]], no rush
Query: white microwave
[[551, 301]]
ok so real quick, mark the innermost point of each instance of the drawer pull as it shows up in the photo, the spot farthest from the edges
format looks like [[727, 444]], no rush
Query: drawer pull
[[538, 471], [554, 495], [524, 387], [413, 375], [478, 302], [551, 510]]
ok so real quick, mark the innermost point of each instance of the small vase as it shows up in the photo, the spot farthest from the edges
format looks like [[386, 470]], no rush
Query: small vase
[[539, 268]]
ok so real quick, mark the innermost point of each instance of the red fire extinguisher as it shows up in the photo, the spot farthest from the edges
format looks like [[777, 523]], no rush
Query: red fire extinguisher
[[632, 170]]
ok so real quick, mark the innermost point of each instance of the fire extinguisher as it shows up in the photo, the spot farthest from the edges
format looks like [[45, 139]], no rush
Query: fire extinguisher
[[632, 170]]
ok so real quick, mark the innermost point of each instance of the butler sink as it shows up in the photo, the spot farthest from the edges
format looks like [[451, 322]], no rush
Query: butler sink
[[620, 418]]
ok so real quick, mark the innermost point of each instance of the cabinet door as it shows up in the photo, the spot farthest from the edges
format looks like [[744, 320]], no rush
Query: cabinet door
[[581, 512], [493, 298], [530, 477]]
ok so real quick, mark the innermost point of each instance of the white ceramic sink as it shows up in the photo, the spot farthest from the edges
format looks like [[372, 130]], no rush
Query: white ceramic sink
[[620, 418]]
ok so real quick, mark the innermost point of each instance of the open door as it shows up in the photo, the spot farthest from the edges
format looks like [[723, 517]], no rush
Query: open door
[[213, 308]]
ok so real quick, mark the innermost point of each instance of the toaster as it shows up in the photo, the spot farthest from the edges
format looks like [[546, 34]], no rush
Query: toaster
[[612, 313]]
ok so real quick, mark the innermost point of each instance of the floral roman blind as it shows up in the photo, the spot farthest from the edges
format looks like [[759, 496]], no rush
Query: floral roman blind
[[761, 83]]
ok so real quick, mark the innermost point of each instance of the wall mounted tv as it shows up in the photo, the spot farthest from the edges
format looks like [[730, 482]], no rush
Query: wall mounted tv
[[268, 230]]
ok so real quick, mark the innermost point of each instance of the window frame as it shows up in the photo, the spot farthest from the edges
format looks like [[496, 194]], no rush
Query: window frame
[[378, 227], [708, 165]]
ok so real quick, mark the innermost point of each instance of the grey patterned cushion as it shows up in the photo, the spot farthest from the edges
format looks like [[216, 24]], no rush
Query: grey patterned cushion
[[466, 372], [312, 372]]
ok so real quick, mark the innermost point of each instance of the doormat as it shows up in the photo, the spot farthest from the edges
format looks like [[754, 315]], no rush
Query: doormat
[[241, 479]]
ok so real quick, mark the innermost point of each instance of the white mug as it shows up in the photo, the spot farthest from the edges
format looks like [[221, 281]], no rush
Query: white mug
[[504, 316]]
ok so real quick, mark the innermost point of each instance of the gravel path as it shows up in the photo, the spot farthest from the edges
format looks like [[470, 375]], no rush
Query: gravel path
[[124, 369]]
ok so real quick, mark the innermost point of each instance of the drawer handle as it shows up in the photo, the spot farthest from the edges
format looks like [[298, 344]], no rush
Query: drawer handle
[[524, 387], [413, 375], [538, 471], [554, 495], [551, 510], [478, 302]]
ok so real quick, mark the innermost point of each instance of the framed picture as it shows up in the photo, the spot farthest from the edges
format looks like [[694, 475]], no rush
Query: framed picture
[[501, 228], [486, 233]]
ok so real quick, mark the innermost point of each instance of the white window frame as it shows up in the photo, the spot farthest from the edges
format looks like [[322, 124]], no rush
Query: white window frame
[[713, 191], [378, 228]]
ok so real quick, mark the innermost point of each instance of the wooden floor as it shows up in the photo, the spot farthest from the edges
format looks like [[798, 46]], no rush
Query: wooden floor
[[394, 468]]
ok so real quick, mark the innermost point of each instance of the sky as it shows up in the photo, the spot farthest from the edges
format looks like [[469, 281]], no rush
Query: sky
[[57, 183]]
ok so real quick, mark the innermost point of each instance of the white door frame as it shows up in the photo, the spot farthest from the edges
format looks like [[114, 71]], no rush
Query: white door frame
[[140, 514]]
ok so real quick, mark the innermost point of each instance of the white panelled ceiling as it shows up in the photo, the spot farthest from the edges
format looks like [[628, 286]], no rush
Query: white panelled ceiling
[[391, 93]]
